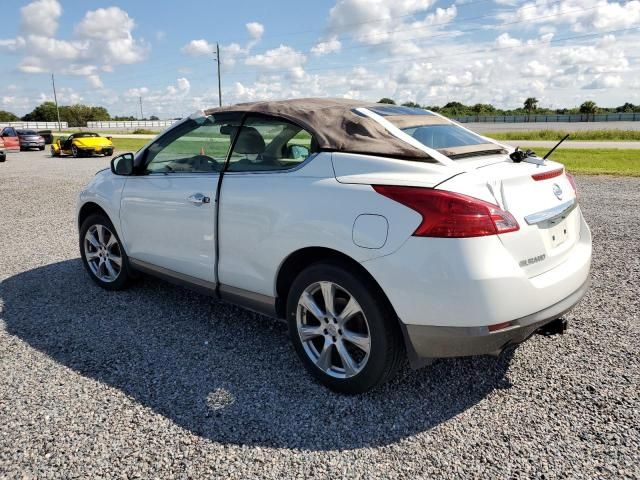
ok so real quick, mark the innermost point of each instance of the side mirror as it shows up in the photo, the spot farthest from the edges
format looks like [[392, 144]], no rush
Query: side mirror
[[122, 164], [109, 138]]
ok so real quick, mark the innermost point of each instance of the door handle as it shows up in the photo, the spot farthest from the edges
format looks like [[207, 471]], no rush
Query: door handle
[[199, 199]]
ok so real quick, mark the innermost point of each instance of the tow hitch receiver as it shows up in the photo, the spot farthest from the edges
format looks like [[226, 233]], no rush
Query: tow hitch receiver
[[555, 327]]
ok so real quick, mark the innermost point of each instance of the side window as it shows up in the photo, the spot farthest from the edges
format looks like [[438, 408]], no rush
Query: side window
[[196, 146], [266, 144]]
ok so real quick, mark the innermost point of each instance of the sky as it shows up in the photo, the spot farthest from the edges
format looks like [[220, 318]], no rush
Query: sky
[[112, 53]]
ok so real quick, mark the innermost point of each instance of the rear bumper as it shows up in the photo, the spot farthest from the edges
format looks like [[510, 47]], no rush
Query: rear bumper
[[446, 292], [426, 341]]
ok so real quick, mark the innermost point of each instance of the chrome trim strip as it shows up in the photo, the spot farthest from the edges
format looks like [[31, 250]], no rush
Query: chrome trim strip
[[561, 210]]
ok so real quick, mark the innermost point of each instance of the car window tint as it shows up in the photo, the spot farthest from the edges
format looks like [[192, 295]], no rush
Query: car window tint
[[266, 144], [197, 148]]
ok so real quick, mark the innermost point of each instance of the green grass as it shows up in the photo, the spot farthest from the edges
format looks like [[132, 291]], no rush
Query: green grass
[[599, 161], [129, 144], [555, 135]]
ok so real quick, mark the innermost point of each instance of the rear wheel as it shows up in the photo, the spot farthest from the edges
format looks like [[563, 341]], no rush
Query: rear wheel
[[102, 253], [346, 336]]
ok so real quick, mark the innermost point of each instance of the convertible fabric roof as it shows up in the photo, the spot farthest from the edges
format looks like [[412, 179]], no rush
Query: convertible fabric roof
[[336, 126]]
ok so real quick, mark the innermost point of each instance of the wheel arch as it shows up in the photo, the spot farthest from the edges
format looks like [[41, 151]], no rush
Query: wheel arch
[[88, 209], [297, 261]]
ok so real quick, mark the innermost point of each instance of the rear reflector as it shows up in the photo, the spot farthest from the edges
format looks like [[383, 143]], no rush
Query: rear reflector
[[449, 214], [499, 326], [547, 175]]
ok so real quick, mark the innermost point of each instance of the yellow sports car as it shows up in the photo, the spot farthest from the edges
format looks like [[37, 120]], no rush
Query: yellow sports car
[[83, 144]]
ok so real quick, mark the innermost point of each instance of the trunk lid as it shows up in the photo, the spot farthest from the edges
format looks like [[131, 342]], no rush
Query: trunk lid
[[542, 200]]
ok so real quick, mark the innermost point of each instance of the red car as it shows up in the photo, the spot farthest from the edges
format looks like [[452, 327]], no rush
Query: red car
[[10, 137]]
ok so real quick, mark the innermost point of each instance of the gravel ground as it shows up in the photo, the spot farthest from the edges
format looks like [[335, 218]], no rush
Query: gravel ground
[[162, 382]]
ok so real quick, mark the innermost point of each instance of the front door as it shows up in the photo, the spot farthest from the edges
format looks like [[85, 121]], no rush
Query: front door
[[168, 213]]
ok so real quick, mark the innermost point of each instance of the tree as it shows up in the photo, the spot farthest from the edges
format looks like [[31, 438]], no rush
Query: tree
[[387, 100], [411, 104], [8, 116], [483, 109], [589, 108], [45, 112], [153, 117], [530, 104], [626, 108]]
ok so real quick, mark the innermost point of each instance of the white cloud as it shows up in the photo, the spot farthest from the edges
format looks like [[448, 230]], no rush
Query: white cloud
[[95, 81], [507, 41], [281, 58], [255, 30], [198, 47], [380, 22], [40, 17], [330, 46], [606, 81]]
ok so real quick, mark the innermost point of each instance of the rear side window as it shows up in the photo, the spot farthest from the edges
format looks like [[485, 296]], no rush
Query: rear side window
[[268, 144], [443, 136]]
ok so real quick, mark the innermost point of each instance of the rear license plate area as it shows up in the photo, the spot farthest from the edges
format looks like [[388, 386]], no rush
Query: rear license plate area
[[559, 233]]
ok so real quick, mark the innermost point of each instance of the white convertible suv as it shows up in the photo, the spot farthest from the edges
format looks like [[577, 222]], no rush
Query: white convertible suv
[[378, 232]]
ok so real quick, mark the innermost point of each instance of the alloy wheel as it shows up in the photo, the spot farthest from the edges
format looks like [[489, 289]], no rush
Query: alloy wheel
[[103, 253], [333, 329]]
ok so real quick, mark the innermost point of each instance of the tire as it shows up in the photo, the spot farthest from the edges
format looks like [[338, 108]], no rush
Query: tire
[[373, 326], [54, 153], [102, 252], [41, 148], [3, 157], [74, 151]]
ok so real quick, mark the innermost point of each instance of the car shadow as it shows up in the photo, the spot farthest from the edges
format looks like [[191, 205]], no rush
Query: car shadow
[[221, 372]]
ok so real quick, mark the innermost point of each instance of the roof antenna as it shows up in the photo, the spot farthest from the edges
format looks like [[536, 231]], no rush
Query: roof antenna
[[554, 148]]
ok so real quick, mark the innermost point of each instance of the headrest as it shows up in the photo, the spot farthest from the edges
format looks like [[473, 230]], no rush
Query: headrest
[[249, 142]]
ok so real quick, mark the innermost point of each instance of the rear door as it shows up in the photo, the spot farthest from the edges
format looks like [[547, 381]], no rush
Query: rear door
[[168, 209], [10, 137]]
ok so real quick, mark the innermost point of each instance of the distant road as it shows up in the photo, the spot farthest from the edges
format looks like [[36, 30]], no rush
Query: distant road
[[574, 144], [566, 126]]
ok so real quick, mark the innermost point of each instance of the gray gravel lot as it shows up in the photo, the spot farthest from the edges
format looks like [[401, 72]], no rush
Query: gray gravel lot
[[161, 382]]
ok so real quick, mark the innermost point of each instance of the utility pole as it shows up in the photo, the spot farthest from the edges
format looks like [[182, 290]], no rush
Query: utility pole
[[141, 115], [219, 84], [55, 97]]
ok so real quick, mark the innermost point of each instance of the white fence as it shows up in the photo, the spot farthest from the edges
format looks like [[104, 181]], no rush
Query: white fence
[[131, 124], [35, 125]]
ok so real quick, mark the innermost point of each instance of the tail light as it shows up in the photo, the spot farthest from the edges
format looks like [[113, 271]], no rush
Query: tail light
[[547, 175], [572, 181], [449, 214]]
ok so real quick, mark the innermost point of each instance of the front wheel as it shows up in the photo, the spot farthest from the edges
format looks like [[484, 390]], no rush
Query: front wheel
[[74, 151], [102, 253], [343, 330]]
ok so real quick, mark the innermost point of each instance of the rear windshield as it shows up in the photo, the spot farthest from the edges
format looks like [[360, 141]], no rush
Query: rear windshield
[[27, 132], [444, 136]]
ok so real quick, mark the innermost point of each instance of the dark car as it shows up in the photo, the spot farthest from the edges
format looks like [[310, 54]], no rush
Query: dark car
[[30, 139], [47, 135]]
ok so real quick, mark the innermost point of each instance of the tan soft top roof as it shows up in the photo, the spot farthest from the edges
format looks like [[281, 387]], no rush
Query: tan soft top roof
[[335, 125]]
